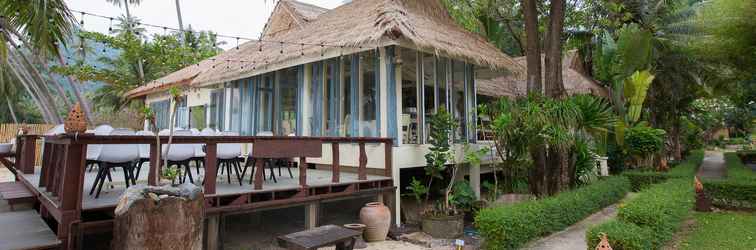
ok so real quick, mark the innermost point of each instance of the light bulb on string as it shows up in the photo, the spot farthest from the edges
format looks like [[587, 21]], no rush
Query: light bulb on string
[[282, 47], [81, 22], [301, 49], [110, 28], [237, 43]]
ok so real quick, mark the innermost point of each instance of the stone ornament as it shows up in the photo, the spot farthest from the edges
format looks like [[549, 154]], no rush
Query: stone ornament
[[604, 243], [76, 122]]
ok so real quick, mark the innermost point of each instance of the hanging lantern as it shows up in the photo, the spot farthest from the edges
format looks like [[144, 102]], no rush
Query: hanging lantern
[[76, 122]]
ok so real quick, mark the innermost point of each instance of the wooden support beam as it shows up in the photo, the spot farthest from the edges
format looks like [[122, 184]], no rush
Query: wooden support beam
[[335, 163], [303, 172], [312, 214], [28, 154], [389, 161], [72, 180], [259, 173], [211, 169], [212, 238], [362, 168], [152, 177]]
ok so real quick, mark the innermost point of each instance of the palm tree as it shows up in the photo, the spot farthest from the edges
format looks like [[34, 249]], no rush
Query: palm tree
[[128, 25], [43, 26]]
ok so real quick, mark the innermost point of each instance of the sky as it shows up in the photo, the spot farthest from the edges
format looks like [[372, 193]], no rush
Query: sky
[[243, 18]]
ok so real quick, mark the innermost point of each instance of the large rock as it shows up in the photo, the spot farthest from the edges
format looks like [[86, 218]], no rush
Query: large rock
[[165, 217]]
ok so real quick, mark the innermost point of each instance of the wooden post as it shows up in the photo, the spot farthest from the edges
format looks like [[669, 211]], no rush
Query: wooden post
[[72, 187], [302, 172], [28, 154], [389, 199], [210, 167], [213, 239], [312, 212], [152, 177], [362, 169], [335, 163], [259, 173]]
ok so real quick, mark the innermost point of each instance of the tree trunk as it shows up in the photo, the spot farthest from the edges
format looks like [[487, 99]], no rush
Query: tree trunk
[[10, 108], [58, 87], [149, 217], [532, 47], [537, 179], [77, 93], [553, 58], [31, 88]]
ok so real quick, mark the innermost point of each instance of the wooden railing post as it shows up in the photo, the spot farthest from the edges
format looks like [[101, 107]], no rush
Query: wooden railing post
[[389, 148], [210, 167], [72, 187], [153, 179], [28, 154], [335, 163], [362, 169], [259, 173], [303, 172]]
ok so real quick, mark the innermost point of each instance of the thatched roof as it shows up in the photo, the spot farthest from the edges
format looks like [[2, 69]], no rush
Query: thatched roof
[[289, 15], [575, 80], [358, 26]]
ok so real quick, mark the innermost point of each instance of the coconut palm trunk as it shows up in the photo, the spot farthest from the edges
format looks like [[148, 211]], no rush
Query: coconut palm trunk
[[10, 108], [77, 93], [31, 87]]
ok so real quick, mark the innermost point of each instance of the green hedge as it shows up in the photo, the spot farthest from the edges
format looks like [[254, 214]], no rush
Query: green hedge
[[624, 235], [658, 211], [642, 179], [511, 226], [738, 190]]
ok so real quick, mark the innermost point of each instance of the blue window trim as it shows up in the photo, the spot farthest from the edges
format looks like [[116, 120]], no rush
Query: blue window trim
[[255, 97], [276, 116], [333, 102], [317, 101], [391, 88], [377, 95], [354, 101], [300, 96]]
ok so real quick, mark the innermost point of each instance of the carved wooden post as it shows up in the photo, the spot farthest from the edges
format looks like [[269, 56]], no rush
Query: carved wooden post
[[335, 163], [389, 150], [362, 169], [210, 168]]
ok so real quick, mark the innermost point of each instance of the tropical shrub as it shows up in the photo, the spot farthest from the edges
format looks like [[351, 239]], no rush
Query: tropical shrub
[[738, 190], [623, 235], [655, 215], [643, 141], [640, 179], [511, 226]]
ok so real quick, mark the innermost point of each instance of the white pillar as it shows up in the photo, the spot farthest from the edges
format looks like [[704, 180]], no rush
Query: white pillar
[[475, 179], [603, 166]]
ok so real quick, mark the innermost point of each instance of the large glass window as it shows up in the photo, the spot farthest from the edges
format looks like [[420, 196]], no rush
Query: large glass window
[[182, 114], [458, 111], [235, 106], [330, 97], [410, 117], [161, 111], [216, 109], [197, 117], [442, 84], [265, 104], [345, 104], [369, 94], [429, 91], [288, 110]]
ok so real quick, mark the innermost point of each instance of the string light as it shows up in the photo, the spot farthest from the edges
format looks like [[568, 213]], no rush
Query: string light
[[110, 28]]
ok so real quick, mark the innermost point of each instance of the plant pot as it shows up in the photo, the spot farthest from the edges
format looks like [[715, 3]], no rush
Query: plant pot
[[359, 242], [444, 226], [377, 219]]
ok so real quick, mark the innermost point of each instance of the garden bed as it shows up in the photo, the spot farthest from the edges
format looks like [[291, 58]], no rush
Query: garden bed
[[512, 226], [642, 179], [738, 190]]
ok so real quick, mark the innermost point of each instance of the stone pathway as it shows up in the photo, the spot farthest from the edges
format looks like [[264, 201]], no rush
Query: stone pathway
[[713, 166], [573, 237]]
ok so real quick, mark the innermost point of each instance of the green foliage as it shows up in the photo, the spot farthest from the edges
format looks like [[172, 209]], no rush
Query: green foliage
[[417, 190], [660, 208], [643, 141], [511, 226], [738, 189], [636, 87], [171, 173], [463, 196], [441, 125], [642, 179], [45, 23], [621, 235]]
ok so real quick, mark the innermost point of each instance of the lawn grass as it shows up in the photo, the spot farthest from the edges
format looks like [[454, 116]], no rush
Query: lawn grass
[[726, 230]]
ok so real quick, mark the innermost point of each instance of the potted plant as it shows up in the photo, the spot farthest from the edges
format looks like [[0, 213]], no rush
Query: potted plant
[[442, 220]]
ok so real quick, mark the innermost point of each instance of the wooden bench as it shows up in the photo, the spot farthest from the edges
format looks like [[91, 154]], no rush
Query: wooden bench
[[328, 235], [15, 193]]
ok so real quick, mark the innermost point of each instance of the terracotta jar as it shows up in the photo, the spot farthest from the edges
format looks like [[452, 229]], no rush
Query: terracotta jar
[[377, 219]]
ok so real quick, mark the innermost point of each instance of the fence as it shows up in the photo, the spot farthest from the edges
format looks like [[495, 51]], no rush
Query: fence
[[9, 131]]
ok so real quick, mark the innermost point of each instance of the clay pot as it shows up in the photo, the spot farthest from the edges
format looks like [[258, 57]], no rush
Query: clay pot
[[359, 242], [377, 219]]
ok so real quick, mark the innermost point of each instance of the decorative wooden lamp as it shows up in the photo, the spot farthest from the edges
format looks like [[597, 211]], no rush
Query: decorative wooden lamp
[[604, 243], [76, 122], [703, 204]]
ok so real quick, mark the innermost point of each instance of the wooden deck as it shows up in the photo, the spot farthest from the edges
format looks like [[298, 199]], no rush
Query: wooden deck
[[110, 195], [25, 230]]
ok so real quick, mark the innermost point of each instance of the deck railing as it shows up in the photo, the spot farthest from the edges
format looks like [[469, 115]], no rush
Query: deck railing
[[62, 174]]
